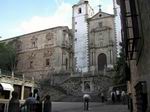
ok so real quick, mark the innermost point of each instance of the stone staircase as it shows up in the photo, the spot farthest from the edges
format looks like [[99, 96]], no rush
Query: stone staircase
[[69, 98]]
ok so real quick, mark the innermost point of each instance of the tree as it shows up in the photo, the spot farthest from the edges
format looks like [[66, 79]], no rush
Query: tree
[[7, 56], [120, 76]]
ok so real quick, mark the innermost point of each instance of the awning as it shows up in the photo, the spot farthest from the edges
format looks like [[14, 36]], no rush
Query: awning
[[7, 87]]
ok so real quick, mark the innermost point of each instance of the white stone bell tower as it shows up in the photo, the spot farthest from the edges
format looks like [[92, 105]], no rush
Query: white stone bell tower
[[81, 12]]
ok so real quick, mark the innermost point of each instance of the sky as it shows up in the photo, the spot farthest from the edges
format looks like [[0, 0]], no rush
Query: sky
[[18, 17]]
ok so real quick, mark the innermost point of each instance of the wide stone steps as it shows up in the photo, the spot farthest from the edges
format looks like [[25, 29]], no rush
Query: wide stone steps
[[79, 99]]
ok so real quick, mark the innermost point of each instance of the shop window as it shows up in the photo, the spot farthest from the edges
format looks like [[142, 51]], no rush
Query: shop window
[[27, 91], [17, 88]]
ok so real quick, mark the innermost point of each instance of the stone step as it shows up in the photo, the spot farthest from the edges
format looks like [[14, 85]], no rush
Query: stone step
[[79, 99]]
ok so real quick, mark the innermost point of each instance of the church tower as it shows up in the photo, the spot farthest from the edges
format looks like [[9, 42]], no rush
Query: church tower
[[81, 12]]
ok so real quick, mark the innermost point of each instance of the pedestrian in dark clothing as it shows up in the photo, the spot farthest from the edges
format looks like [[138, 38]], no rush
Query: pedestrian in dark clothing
[[14, 103], [30, 103], [102, 97], [118, 95], [113, 97], [47, 104], [86, 99], [35, 93], [38, 104]]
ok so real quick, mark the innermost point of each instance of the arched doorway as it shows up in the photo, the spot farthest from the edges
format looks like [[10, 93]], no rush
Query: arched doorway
[[87, 86], [102, 61]]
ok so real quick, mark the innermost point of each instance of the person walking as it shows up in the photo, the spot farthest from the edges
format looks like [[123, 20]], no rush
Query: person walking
[[47, 104], [38, 104], [30, 103], [86, 98], [113, 96], [118, 95], [123, 99], [14, 104], [102, 97]]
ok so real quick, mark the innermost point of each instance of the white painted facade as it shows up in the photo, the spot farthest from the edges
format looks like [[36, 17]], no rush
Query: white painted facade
[[81, 12]]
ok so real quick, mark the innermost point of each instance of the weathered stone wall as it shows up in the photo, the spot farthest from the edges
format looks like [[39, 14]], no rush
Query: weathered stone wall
[[44, 52], [144, 60], [140, 70]]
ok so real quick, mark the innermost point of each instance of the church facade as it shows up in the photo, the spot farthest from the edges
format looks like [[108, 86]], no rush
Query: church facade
[[94, 38], [102, 42]]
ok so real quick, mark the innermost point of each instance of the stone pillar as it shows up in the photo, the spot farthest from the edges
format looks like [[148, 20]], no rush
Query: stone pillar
[[22, 90], [32, 88], [12, 82]]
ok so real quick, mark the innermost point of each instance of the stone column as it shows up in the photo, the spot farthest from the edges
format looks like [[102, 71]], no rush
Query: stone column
[[22, 90], [12, 83], [32, 88]]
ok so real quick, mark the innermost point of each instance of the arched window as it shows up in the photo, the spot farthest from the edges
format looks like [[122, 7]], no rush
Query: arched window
[[102, 61], [79, 11]]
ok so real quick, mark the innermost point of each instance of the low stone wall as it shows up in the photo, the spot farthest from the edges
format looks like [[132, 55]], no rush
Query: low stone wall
[[64, 86], [74, 85]]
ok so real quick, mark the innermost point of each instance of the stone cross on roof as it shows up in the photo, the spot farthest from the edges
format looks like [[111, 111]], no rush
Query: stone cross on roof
[[100, 10]]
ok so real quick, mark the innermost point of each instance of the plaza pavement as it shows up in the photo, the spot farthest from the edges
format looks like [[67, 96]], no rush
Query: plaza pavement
[[94, 107]]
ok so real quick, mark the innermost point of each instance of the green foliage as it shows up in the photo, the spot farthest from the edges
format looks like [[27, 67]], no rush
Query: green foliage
[[120, 76], [7, 56]]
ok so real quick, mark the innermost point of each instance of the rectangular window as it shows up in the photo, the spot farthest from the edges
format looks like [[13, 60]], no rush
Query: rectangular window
[[47, 62], [18, 88], [33, 44], [27, 91]]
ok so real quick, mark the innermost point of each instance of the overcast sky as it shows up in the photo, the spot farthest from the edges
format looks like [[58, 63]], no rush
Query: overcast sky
[[19, 17]]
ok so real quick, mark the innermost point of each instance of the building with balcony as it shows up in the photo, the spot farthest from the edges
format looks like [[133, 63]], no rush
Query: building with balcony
[[135, 36]]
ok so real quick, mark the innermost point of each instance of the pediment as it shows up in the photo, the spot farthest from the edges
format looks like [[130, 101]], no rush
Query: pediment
[[101, 15]]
